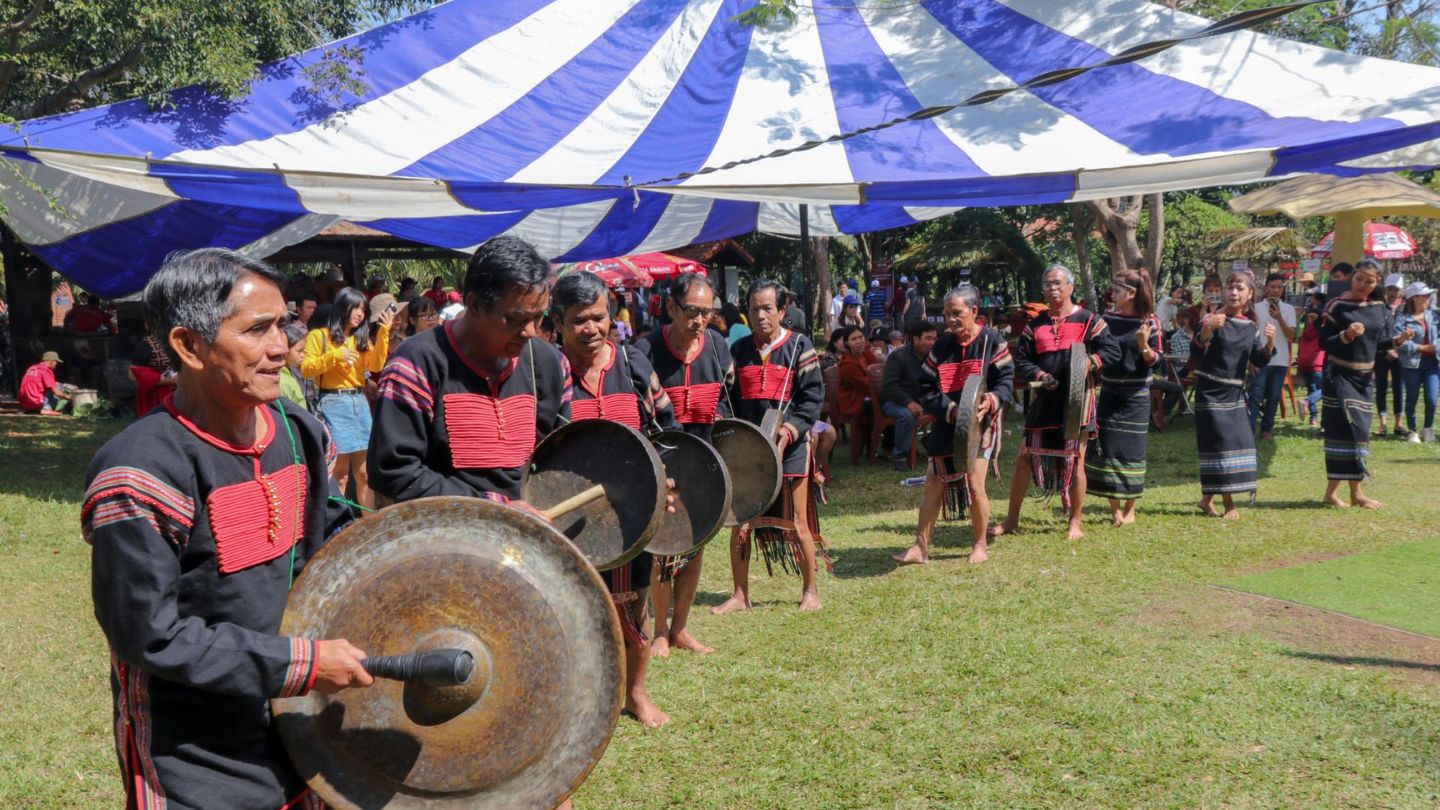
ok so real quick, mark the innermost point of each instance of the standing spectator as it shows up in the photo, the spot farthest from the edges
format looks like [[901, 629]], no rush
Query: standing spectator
[[1419, 367], [1268, 384], [837, 303], [453, 307], [436, 293], [375, 287], [875, 301], [153, 375], [1387, 369], [914, 309], [337, 358], [850, 312], [420, 317], [1179, 299], [305, 305], [408, 291], [293, 386], [1310, 360], [87, 317], [901, 392], [1212, 299], [39, 392]]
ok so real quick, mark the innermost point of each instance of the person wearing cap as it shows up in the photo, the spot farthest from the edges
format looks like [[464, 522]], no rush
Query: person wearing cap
[[338, 358], [39, 392], [850, 312], [1419, 369], [453, 308], [875, 301], [1387, 369]]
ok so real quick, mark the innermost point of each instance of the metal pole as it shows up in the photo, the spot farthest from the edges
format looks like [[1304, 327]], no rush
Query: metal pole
[[805, 256]]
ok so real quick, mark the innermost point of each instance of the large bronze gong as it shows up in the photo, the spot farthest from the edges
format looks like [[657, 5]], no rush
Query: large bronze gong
[[609, 531], [754, 464], [702, 493], [1077, 391], [969, 429], [504, 594]]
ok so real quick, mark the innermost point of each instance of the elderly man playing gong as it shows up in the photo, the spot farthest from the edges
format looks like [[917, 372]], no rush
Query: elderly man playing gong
[[1042, 355], [199, 516], [954, 480]]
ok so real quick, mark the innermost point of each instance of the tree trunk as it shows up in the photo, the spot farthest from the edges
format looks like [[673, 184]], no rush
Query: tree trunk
[[1082, 225], [1155, 236], [1120, 219], [820, 247]]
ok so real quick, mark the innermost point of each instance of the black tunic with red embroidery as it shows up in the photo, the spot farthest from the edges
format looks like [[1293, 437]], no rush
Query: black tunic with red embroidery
[[1044, 346], [696, 388], [194, 543], [628, 393], [441, 428], [786, 378], [942, 378]]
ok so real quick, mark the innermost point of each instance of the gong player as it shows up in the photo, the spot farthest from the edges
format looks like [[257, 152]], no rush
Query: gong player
[[199, 516], [461, 408], [694, 365], [1042, 354], [968, 348], [777, 368], [614, 382]]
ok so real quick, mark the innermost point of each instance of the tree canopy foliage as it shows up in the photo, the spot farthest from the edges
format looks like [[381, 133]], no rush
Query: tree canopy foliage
[[57, 55]]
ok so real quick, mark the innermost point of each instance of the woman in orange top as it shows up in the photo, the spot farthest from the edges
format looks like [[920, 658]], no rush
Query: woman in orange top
[[854, 380], [337, 358]]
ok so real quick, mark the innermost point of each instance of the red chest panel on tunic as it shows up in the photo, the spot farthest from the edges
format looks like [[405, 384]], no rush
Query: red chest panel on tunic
[[954, 375], [695, 404], [764, 381], [256, 521], [489, 433], [622, 408], [1053, 338]]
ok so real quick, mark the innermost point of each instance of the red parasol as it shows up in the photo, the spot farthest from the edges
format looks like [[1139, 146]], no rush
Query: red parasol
[[1382, 241]]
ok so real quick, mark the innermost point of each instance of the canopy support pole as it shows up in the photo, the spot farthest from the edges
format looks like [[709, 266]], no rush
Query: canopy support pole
[[1349, 237], [805, 257]]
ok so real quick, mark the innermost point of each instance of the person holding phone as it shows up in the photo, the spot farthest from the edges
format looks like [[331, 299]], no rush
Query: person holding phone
[[1268, 383]]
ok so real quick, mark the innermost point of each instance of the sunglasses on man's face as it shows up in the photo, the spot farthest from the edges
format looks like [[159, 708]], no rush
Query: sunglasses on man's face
[[693, 312]]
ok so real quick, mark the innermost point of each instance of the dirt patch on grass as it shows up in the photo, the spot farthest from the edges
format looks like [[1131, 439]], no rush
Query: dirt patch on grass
[[1308, 633], [1287, 562]]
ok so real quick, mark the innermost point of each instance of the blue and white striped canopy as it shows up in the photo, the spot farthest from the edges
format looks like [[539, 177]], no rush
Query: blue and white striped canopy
[[568, 122]]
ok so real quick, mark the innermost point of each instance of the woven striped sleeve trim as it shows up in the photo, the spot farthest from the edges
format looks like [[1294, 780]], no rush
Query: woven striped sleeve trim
[[567, 390], [1002, 356], [807, 362], [495, 496], [120, 494], [402, 382], [300, 675]]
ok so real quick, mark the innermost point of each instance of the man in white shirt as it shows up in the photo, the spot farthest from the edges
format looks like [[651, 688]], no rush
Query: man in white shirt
[[1269, 382], [837, 304]]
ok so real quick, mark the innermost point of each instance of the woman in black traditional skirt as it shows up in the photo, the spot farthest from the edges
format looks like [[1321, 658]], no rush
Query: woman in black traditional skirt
[[1229, 342], [1115, 465], [1355, 327]]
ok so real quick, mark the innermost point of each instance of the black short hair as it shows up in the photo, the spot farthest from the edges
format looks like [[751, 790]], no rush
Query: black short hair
[[500, 264], [1274, 277], [761, 285], [306, 296], [576, 290], [918, 327], [681, 286], [1345, 269], [346, 300], [192, 290]]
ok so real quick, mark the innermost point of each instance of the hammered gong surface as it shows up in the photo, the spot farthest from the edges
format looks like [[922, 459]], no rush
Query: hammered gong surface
[[612, 530], [754, 465], [702, 493], [968, 428], [466, 573], [1076, 391]]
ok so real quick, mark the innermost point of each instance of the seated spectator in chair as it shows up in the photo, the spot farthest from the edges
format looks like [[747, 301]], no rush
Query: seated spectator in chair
[[39, 392], [880, 344], [901, 394], [854, 393]]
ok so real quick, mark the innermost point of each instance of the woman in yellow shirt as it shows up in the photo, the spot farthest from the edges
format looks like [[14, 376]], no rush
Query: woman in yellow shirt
[[337, 359]]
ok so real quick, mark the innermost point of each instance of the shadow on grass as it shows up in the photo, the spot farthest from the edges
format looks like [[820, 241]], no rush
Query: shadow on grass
[[1364, 661], [46, 457]]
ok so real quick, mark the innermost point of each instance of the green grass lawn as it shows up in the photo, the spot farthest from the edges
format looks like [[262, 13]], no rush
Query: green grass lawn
[[1398, 586], [1042, 678]]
